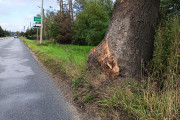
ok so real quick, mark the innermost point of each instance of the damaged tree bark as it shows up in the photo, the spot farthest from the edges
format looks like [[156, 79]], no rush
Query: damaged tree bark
[[129, 39]]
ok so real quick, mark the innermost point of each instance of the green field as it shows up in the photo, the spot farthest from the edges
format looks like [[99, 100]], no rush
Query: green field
[[65, 56]]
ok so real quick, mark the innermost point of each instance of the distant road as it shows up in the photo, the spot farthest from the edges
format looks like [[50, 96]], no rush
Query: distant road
[[26, 91]]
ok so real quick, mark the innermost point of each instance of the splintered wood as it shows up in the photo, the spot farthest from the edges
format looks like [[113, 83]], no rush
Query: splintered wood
[[108, 63]]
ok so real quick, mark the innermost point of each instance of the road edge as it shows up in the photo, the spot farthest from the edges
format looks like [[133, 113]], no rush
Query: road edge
[[63, 87]]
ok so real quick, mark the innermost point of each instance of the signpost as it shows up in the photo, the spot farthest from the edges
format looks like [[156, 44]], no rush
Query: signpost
[[42, 14], [37, 26], [37, 34], [37, 19]]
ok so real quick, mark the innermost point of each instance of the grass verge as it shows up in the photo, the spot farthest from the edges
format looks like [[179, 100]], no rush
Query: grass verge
[[155, 97], [60, 57]]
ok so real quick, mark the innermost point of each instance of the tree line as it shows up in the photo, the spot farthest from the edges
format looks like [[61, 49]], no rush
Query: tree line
[[4, 33], [86, 25], [85, 22]]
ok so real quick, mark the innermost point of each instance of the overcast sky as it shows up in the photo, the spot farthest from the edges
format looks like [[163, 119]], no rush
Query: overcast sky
[[15, 14]]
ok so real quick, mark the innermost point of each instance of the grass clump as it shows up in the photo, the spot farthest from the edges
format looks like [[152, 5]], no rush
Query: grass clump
[[78, 82], [88, 98]]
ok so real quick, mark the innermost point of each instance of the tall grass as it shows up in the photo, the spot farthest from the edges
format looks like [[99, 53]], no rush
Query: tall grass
[[165, 63]]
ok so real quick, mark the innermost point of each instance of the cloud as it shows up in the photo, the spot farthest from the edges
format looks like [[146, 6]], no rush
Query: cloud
[[14, 14], [10, 3], [18, 3], [30, 17], [4, 24], [4, 11], [6, 6], [11, 27]]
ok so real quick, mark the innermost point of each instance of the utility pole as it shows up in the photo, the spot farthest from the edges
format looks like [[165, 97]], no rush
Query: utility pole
[[37, 34], [30, 30], [41, 23], [24, 31]]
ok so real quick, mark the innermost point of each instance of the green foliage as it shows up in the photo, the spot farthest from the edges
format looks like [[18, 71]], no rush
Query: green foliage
[[88, 86], [48, 23], [4, 33], [17, 32], [79, 5], [1, 32], [88, 98], [166, 49], [168, 8], [78, 82], [60, 28], [91, 25], [108, 6], [67, 56], [31, 33]]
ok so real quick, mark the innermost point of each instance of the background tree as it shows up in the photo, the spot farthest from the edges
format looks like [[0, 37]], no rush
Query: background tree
[[1, 32], [4, 33], [60, 28], [7, 33], [108, 6], [79, 5], [17, 32], [91, 25], [31, 33], [48, 22], [168, 8]]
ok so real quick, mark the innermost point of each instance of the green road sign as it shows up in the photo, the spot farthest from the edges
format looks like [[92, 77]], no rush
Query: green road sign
[[37, 18]]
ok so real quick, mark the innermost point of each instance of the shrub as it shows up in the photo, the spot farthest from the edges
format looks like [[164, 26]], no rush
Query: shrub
[[91, 25], [165, 58]]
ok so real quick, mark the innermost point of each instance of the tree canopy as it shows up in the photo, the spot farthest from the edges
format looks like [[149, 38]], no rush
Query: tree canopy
[[90, 26]]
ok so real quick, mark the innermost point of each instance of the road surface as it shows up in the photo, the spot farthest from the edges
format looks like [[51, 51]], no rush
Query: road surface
[[26, 91]]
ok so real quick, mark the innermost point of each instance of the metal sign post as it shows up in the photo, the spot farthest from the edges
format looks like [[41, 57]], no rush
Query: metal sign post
[[41, 23], [37, 26], [37, 34]]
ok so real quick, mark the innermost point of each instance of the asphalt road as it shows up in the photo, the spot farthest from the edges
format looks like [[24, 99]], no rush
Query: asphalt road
[[26, 91]]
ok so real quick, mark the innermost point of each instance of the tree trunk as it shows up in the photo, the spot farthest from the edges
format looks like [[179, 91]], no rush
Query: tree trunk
[[129, 39]]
